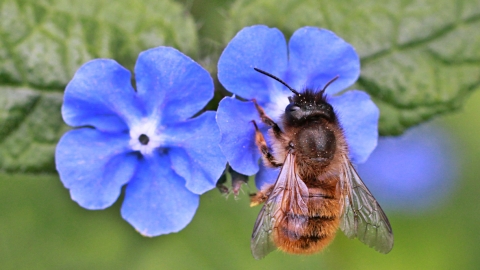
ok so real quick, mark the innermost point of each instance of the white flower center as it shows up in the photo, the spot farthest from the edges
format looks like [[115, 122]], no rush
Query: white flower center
[[276, 108], [144, 137]]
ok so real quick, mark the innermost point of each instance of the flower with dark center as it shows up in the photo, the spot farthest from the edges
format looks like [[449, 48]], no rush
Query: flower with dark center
[[144, 139]]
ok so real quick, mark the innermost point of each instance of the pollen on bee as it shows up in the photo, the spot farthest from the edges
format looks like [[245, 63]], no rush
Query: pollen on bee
[[252, 204]]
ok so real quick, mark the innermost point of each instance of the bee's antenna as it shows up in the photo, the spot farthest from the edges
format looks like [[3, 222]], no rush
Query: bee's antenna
[[330, 82], [284, 83]]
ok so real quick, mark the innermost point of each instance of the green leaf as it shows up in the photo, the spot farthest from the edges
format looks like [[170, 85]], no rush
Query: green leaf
[[43, 43], [420, 58], [30, 126]]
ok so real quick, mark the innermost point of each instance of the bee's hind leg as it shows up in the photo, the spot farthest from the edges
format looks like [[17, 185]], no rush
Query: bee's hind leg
[[261, 196]]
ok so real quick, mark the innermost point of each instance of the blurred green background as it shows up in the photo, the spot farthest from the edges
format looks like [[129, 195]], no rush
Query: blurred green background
[[42, 228]]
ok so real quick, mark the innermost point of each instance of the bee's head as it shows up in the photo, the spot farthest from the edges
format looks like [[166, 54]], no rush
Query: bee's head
[[306, 106], [309, 106]]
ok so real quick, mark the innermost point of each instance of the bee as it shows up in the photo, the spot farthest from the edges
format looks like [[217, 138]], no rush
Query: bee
[[317, 190]]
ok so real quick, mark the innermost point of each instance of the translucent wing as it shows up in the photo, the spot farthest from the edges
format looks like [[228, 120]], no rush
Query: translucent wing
[[362, 215], [287, 203]]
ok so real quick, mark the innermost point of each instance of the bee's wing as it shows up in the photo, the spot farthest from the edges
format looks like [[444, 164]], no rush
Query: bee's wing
[[362, 215], [289, 195]]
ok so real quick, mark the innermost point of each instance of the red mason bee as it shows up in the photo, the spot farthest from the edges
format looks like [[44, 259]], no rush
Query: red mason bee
[[318, 189]]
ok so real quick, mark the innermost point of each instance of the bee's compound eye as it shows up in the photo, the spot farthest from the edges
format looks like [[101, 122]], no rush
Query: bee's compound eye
[[292, 107], [326, 107]]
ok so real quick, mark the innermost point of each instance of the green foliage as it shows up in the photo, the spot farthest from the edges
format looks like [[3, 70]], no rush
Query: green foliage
[[419, 58], [43, 43]]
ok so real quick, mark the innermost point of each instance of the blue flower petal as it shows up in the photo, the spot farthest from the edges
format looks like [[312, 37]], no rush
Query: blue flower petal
[[413, 171], [256, 46], [234, 118], [94, 166], [266, 176], [358, 116], [156, 200], [195, 152], [317, 56], [100, 95], [172, 86]]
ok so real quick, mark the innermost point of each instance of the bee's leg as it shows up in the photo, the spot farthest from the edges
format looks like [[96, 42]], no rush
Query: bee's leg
[[268, 121], [268, 158], [261, 196]]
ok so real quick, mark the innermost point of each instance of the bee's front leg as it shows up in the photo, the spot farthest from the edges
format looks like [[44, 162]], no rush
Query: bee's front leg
[[268, 121], [268, 158]]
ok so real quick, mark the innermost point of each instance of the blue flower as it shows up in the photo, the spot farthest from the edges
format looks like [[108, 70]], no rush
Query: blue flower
[[411, 172], [144, 139], [314, 57]]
